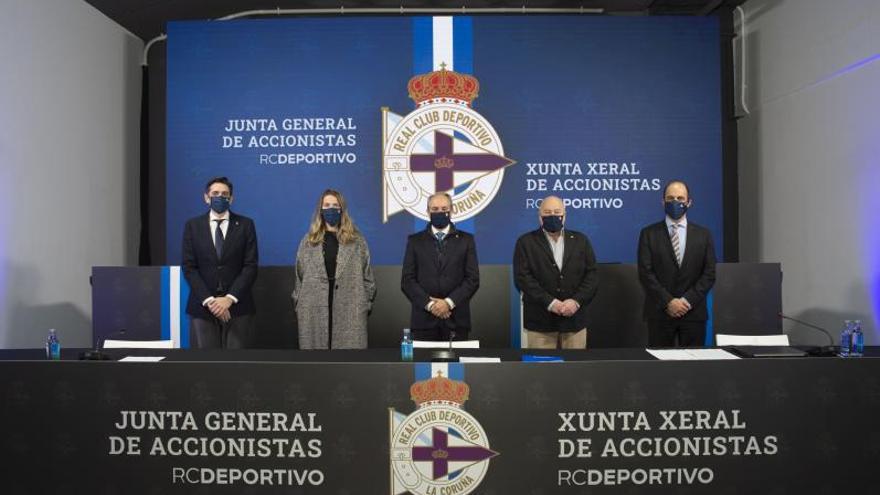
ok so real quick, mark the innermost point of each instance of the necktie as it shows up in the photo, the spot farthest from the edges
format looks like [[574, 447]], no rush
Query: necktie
[[676, 243], [218, 237], [439, 236]]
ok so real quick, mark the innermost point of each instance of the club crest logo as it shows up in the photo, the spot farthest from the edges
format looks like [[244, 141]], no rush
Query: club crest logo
[[439, 448], [441, 146]]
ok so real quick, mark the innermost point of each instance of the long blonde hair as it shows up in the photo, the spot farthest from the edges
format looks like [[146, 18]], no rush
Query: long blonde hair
[[345, 232]]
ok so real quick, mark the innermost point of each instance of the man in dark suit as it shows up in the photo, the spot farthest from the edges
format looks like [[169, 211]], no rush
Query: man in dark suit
[[440, 275], [555, 269], [220, 265], [676, 270]]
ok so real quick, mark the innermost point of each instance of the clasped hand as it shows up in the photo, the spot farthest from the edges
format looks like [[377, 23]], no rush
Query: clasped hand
[[219, 307], [565, 308], [677, 307], [440, 308]]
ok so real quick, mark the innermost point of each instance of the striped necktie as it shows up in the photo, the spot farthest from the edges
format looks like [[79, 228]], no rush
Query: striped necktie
[[676, 243]]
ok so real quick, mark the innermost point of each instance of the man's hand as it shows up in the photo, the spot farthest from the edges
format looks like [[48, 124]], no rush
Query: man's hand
[[569, 307], [225, 316], [677, 307], [219, 305], [440, 308]]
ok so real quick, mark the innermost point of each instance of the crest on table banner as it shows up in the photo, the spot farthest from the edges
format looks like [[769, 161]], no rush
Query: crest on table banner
[[439, 448], [441, 146]]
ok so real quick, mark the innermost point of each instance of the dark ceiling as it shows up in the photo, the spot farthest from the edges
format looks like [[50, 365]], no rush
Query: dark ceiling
[[147, 18]]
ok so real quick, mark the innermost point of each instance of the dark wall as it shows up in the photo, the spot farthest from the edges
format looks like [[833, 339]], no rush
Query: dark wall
[[156, 173], [747, 300], [391, 310]]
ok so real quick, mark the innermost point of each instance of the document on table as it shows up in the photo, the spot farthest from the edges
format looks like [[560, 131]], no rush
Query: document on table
[[690, 354], [475, 359], [142, 359]]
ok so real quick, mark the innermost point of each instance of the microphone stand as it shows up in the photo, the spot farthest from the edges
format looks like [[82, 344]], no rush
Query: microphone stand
[[819, 350], [446, 356], [97, 354]]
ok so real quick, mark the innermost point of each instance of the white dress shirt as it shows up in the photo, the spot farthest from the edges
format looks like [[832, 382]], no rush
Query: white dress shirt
[[557, 247], [212, 224], [213, 216]]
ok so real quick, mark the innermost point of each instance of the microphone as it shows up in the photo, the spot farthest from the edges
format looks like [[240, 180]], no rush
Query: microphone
[[97, 354], [447, 356], [829, 350]]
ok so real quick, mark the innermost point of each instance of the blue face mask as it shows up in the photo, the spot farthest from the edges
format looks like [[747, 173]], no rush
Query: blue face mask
[[219, 204], [675, 209], [331, 216], [440, 219], [552, 223]]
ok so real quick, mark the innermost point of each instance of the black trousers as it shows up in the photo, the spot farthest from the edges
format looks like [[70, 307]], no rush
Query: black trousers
[[665, 333], [236, 333]]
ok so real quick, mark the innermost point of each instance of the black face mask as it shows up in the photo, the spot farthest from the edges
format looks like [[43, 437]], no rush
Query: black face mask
[[440, 219], [332, 216], [675, 209], [552, 223], [219, 204]]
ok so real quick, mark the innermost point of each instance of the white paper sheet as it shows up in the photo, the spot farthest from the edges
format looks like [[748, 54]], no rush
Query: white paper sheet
[[691, 354], [442, 344], [142, 359], [474, 359]]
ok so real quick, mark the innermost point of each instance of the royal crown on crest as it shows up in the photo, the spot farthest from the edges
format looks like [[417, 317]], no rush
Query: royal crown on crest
[[443, 86], [444, 162], [439, 389]]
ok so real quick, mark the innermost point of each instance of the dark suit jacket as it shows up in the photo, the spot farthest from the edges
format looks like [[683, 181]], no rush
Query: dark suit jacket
[[541, 281], [663, 280], [455, 275], [234, 273]]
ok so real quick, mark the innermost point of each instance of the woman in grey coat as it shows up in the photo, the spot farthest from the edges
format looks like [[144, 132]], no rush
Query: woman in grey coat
[[334, 288]]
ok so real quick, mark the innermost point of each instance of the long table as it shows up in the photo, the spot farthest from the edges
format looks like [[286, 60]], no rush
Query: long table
[[611, 421]]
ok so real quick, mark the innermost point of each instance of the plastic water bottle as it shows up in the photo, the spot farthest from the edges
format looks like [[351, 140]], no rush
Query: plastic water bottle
[[846, 338], [53, 346], [858, 340], [406, 346]]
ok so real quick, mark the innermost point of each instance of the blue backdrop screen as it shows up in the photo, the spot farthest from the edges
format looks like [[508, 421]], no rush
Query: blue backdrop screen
[[600, 111]]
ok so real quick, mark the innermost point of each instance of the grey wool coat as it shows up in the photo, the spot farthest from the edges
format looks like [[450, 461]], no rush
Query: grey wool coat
[[352, 300]]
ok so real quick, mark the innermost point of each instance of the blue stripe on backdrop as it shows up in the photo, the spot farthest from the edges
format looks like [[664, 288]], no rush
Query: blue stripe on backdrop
[[463, 44], [165, 302], [423, 371], [456, 371], [515, 323], [463, 62], [423, 62], [184, 318], [710, 327], [423, 44]]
